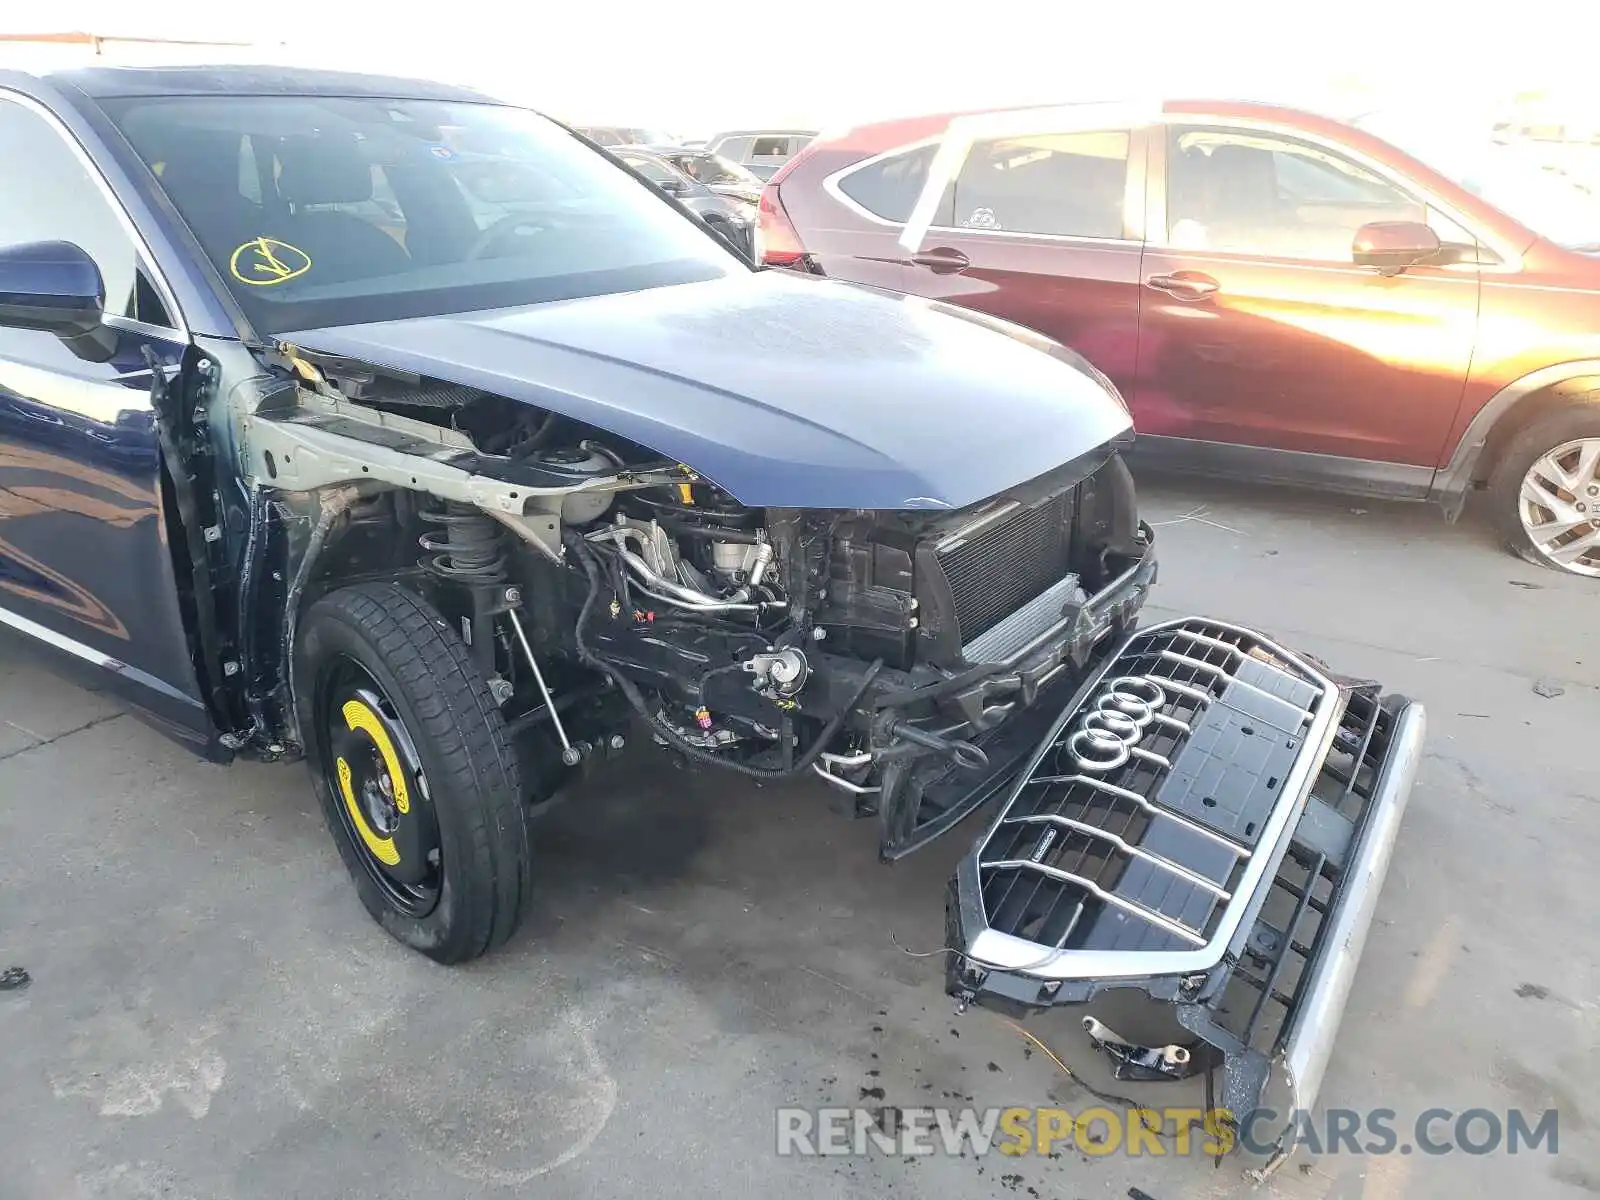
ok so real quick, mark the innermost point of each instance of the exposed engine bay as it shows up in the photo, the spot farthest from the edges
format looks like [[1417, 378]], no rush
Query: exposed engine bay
[[879, 650]]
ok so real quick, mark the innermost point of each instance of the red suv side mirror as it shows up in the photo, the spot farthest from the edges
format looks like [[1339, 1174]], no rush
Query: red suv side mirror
[[1392, 246]]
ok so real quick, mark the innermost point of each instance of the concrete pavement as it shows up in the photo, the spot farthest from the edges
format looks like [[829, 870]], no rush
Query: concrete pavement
[[214, 1017]]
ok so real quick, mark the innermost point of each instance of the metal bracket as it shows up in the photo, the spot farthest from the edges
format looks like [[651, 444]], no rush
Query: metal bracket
[[1143, 1063], [323, 442]]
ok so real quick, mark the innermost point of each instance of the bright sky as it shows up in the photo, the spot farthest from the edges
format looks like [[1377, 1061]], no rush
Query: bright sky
[[822, 62]]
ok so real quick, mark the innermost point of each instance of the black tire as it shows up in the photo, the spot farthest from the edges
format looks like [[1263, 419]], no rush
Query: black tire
[[460, 885], [1542, 435]]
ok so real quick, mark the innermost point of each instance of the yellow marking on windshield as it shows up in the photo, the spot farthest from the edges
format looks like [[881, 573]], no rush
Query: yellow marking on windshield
[[264, 262]]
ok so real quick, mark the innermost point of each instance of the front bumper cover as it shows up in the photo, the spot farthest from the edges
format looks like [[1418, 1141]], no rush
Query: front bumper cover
[[1213, 889]]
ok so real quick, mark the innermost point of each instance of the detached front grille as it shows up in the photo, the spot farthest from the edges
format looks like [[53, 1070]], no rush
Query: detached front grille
[[1264, 990], [1002, 560], [1138, 825]]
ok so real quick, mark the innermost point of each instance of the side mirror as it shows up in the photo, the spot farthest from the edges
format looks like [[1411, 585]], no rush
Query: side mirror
[[672, 187], [1392, 246], [54, 287]]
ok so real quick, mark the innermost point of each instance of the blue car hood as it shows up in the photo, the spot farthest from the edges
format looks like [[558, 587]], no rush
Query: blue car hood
[[786, 390]]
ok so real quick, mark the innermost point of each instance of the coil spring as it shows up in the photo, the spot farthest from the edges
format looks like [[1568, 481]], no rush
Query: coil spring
[[469, 549]]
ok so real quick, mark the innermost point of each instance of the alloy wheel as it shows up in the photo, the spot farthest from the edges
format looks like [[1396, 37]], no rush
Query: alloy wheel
[[1559, 506]]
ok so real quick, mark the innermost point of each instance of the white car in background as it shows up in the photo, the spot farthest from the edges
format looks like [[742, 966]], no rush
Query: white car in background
[[761, 151]]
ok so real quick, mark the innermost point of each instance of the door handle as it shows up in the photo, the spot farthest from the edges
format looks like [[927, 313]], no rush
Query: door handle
[[942, 260], [1184, 285]]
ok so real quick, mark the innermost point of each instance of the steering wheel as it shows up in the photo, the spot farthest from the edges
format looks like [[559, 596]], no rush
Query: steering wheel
[[498, 232]]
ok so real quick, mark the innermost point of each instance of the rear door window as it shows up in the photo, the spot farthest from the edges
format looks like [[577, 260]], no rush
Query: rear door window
[[1062, 184], [888, 187]]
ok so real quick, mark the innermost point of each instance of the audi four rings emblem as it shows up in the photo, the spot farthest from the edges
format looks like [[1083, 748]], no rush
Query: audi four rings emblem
[[1106, 738]]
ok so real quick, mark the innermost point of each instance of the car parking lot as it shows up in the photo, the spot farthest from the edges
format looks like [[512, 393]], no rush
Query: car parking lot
[[212, 1014]]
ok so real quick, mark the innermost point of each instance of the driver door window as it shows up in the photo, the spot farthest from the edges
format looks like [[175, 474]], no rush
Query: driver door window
[[58, 199], [1242, 192]]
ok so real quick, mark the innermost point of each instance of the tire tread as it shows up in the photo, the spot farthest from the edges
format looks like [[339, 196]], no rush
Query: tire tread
[[471, 758]]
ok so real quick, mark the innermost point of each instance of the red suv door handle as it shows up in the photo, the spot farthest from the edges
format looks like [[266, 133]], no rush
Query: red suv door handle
[[1184, 285], [942, 260]]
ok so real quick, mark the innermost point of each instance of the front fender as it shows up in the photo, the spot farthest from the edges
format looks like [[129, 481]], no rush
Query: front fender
[[1507, 408]]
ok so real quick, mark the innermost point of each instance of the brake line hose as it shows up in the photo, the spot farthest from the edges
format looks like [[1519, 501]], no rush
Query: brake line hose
[[579, 549]]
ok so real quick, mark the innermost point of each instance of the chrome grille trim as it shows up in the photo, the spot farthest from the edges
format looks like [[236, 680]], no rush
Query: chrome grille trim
[[1313, 740], [1134, 798], [1095, 831], [1148, 915], [1200, 664], [1205, 639], [1197, 663], [1193, 693]]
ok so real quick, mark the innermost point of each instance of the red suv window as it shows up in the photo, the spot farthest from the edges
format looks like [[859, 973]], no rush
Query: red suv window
[[1069, 184], [889, 187], [1256, 193]]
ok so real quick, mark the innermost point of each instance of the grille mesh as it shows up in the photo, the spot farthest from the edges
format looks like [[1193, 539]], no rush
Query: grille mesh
[[1003, 566], [1118, 859]]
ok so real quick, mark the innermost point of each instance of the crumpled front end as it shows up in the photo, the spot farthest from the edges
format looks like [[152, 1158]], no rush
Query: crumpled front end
[[1191, 859]]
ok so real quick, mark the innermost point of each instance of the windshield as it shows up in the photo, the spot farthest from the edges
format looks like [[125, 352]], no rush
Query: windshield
[[320, 210], [1505, 175], [714, 169]]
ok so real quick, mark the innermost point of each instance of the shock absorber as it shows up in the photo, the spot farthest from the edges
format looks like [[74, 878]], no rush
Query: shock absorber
[[469, 549]]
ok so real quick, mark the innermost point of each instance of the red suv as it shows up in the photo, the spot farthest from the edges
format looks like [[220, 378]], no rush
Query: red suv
[[1279, 296]]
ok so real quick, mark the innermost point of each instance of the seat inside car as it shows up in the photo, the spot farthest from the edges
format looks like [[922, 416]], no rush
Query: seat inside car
[[1226, 198], [1025, 189], [205, 171], [1245, 190], [201, 173], [316, 174]]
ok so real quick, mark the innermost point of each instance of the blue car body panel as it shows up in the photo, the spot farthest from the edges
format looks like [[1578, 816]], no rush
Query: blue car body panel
[[783, 389], [788, 391]]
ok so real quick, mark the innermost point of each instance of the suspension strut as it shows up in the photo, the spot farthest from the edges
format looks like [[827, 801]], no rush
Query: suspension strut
[[470, 550]]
